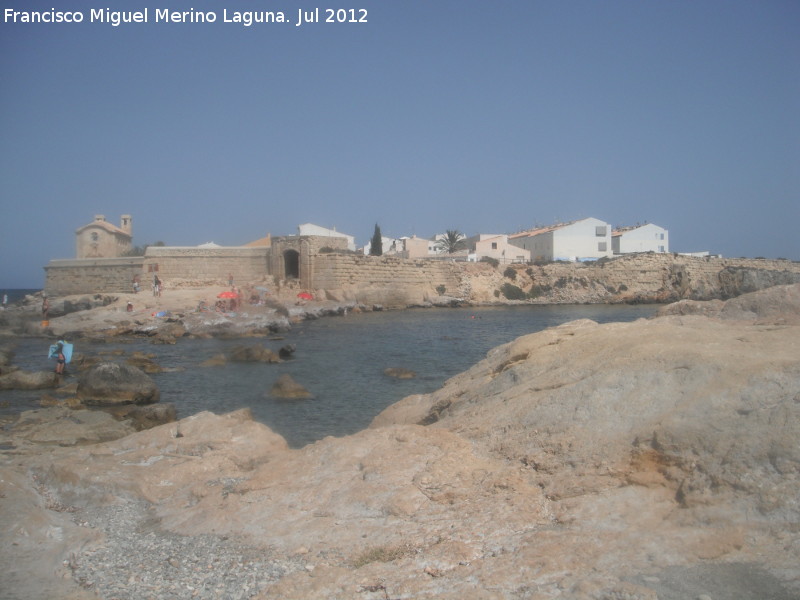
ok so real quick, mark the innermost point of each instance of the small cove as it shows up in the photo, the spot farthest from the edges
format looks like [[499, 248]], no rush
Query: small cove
[[339, 359]]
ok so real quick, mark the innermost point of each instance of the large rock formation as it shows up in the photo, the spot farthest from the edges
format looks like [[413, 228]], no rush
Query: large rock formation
[[654, 459], [28, 380], [109, 384]]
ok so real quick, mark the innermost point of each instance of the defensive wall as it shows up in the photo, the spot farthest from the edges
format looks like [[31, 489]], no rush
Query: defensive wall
[[176, 265], [322, 264], [91, 276], [385, 280]]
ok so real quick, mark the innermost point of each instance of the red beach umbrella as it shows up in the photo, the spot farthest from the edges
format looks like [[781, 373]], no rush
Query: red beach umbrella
[[227, 295], [305, 296]]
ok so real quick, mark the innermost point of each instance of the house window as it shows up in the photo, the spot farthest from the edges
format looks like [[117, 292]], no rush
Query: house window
[[601, 246], [662, 236], [494, 245], [95, 237], [600, 231], [661, 248]]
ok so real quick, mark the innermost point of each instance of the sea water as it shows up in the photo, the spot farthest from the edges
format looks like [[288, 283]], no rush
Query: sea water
[[340, 360]]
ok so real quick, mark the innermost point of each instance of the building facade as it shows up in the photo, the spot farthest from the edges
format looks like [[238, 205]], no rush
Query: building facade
[[101, 239], [645, 238], [586, 239], [499, 248]]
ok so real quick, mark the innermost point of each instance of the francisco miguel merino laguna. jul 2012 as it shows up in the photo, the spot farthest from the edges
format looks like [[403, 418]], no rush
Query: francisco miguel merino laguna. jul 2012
[[115, 18]]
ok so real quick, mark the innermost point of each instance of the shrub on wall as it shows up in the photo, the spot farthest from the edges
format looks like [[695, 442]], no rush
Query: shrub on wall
[[511, 273], [492, 261]]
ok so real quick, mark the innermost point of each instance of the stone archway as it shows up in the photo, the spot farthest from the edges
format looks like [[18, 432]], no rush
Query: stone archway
[[291, 264]]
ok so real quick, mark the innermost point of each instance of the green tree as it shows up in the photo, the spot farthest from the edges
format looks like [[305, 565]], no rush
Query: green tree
[[452, 242], [376, 244]]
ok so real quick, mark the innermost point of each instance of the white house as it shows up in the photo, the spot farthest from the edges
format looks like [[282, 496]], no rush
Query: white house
[[499, 248], [644, 238], [311, 229], [578, 240]]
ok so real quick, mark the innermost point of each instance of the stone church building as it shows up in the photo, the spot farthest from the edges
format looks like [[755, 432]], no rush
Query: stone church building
[[101, 239]]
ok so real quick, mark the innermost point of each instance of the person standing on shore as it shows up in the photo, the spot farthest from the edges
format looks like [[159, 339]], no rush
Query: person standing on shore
[[156, 285], [5, 301], [45, 307]]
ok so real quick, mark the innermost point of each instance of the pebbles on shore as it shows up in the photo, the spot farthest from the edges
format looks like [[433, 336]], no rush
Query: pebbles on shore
[[137, 560]]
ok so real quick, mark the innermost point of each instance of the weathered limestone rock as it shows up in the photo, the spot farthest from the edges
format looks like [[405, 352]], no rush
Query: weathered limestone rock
[[67, 427], [778, 305], [108, 384], [653, 459], [28, 380], [145, 417], [286, 387]]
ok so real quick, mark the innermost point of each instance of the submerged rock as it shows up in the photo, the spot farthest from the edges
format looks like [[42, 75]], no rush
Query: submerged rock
[[286, 387], [399, 373], [254, 354], [217, 360]]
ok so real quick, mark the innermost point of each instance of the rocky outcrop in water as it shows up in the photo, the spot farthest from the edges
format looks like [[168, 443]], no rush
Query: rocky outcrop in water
[[110, 384], [286, 387], [254, 353], [27, 380], [654, 459]]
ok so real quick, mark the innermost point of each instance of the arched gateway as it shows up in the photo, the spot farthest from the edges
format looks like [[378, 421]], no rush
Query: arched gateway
[[291, 264]]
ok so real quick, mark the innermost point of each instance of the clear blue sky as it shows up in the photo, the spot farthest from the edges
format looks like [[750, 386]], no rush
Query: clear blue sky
[[487, 117]]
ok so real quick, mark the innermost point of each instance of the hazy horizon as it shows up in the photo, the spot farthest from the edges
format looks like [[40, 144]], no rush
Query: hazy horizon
[[486, 118]]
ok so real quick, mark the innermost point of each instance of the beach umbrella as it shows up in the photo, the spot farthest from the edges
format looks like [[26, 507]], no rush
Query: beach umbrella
[[305, 296], [227, 295], [261, 288]]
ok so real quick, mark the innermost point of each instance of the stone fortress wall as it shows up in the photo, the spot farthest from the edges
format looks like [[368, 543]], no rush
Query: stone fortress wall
[[384, 280], [207, 266], [320, 264], [65, 277]]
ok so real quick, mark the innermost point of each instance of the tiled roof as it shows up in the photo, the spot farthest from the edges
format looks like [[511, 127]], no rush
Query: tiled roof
[[104, 225], [540, 230]]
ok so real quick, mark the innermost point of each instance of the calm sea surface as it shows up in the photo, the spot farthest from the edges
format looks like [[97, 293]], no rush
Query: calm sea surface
[[339, 359]]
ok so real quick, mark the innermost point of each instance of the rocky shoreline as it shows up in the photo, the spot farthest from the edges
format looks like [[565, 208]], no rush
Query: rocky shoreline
[[643, 460]]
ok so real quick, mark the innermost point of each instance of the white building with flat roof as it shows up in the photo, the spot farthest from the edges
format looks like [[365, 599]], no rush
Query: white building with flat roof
[[640, 238], [586, 239], [311, 229]]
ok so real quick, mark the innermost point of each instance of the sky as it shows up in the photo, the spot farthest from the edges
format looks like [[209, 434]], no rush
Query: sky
[[486, 117]]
